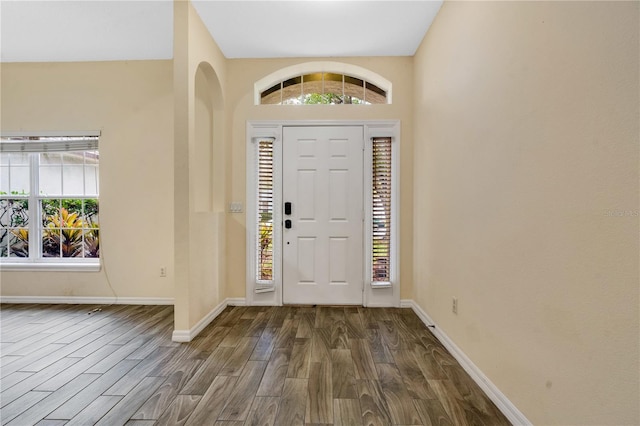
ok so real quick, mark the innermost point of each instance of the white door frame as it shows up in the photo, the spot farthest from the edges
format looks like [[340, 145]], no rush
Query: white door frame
[[373, 296]]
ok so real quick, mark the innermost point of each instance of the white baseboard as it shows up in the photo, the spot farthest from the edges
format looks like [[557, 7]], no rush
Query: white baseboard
[[263, 303], [406, 303], [507, 408], [189, 335], [81, 300], [380, 305], [181, 336]]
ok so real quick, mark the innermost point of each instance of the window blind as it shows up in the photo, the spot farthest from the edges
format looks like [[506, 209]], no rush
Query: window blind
[[264, 254], [381, 210], [48, 144]]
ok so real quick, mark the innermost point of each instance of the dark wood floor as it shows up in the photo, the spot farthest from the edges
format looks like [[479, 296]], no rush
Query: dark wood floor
[[68, 364]]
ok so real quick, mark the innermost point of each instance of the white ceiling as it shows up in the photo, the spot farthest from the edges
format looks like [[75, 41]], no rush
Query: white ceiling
[[272, 29], [51, 31], [98, 30]]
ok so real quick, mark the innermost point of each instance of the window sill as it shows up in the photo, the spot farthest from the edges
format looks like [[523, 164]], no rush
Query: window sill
[[50, 267], [381, 284], [264, 287]]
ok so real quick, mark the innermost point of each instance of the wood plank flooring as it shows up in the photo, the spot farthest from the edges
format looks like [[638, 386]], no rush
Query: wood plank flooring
[[116, 365]]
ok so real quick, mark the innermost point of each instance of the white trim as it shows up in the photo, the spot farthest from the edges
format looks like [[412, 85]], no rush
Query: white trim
[[181, 336], [378, 296], [51, 267], [320, 66], [507, 408], [189, 335], [381, 284], [407, 303], [255, 131], [236, 301], [82, 300], [272, 128], [264, 286], [380, 305], [263, 303]]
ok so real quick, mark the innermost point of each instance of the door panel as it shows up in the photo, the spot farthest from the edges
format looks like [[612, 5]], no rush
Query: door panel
[[323, 250]]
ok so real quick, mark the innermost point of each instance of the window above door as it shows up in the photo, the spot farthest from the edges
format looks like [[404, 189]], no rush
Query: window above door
[[322, 82], [323, 88]]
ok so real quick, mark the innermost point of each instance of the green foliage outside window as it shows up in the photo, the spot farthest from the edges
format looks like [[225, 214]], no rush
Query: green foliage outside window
[[14, 222], [329, 99], [266, 246], [69, 228]]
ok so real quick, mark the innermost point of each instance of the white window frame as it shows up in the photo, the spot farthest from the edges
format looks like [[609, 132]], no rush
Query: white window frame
[[260, 292], [35, 261], [374, 294], [379, 293]]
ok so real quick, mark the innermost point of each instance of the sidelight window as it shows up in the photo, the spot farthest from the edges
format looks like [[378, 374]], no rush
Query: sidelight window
[[264, 246], [381, 210]]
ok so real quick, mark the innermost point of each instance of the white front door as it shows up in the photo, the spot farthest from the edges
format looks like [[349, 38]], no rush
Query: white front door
[[322, 178]]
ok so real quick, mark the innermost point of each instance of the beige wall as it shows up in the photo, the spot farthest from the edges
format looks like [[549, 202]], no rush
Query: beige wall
[[199, 169], [242, 75], [132, 104], [526, 130]]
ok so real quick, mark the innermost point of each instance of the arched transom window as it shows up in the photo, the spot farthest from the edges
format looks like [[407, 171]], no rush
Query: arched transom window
[[323, 88], [323, 83]]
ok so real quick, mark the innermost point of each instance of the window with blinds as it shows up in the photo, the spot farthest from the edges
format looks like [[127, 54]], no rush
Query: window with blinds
[[264, 246], [381, 210]]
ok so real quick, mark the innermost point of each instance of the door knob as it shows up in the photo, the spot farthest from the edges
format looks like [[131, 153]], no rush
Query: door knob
[[287, 208], [287, 224]]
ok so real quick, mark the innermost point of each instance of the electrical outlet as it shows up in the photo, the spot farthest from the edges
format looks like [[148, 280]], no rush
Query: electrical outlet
[[454, 305], [235, 207], [163, 271]]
